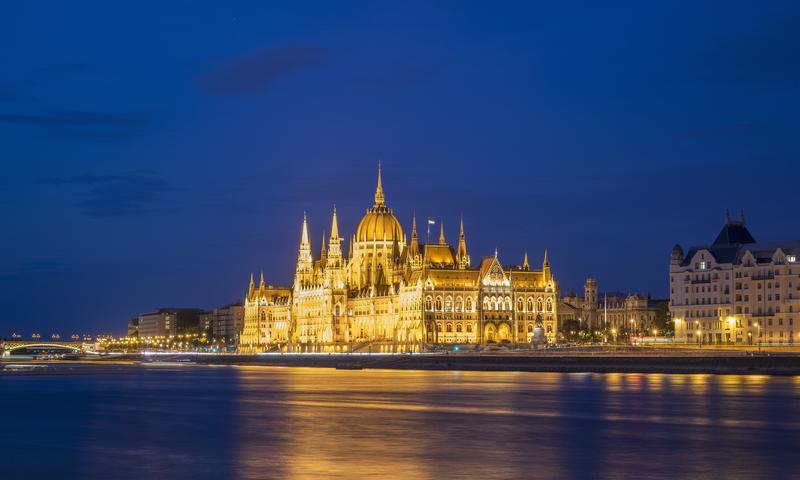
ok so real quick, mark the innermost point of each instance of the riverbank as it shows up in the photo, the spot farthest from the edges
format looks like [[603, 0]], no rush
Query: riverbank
[[634, 361]]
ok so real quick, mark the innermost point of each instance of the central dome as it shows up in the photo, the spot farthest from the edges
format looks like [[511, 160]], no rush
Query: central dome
[[379, 223]]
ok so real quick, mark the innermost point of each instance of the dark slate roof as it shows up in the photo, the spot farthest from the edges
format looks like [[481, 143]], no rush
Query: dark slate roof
[[734, 234], [764, 251], [727, 246]]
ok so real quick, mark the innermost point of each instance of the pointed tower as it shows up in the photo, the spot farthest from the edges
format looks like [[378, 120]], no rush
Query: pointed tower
[[414, 255], [261, 284], [741, 217], [334, 270], [441, 234], [525, 265], [335, 242], [323, 254], [727, 217], [414, 238], [379, 189], [461, 255], [546, 267], [251, 288], [305, 262]]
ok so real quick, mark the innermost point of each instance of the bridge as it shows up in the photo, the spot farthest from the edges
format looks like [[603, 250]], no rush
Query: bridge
[[8, 347]]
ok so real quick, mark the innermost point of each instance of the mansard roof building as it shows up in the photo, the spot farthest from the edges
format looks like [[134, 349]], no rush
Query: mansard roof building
[[735, 290], [392, 293]]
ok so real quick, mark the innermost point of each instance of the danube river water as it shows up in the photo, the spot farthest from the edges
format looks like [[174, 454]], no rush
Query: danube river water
[[173, 421]]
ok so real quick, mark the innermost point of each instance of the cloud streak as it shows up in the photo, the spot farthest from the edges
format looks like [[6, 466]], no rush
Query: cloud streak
[[81, 123], [256, 72], [103, 196], [15, 97]]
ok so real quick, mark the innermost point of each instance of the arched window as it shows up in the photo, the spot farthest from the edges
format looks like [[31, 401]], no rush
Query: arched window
[[530, 304], [449, 328], [508, 304], [439, 304], [263, 316], [448, 304], [428, 303], [549, 304], [458, 328], [469, 328], [520, 304], [337, 310], [495, 304], [486, 305], [459, 304], [469, 304], [530, 328], [439, 326], [539, 305]]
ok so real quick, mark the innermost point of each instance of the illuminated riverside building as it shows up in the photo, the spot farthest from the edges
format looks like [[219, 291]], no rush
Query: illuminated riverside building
[[393, 293], [736, 291], [629, 312]]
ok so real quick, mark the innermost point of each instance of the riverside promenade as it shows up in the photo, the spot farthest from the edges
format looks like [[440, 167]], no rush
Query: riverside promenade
[[674, 359]]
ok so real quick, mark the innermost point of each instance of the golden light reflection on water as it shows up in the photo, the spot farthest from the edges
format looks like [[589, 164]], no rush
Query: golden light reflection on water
[[312, 423]]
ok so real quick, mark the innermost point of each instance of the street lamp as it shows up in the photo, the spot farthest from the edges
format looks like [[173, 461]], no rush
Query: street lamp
[[758, 334], [699, 338], [731, 327]]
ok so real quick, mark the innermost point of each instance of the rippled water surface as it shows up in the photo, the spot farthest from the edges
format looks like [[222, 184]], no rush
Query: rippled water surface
[[267, 422]]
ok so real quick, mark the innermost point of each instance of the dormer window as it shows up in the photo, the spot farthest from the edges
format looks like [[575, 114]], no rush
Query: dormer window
[[703, 265], [791, 258]]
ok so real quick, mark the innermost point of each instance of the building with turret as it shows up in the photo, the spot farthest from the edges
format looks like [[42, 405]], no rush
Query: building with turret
[[392, 293], [735, 290]]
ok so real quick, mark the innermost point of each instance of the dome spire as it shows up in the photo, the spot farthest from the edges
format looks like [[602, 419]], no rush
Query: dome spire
[[379, 190]]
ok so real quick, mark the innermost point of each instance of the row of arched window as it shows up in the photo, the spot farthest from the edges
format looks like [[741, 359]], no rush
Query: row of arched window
[[500, 303]]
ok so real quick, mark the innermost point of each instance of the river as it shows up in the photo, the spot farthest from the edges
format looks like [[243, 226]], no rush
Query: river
[[175, 421]]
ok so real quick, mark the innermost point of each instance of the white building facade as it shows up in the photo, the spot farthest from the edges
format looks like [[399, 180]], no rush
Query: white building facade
[[736, 291]]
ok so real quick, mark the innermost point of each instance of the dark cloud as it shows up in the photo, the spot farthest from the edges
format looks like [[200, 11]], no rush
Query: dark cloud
[[736, 130], [82, 124], [69, 67], [404, 77], [13, 97], [257, 72], [764, 56], [101, 196]]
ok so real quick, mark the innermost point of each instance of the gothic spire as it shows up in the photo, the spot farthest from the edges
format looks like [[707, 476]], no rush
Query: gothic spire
[[727, 217], [252, 284], [379, 190], [741, 217], [441, 233], [525, 264], [462, 256], [261, 282], [323, 252], [334, 226], [546, 262], [304, 238], [414, 238]]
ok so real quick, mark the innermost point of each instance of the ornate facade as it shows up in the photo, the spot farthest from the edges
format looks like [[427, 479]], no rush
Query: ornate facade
[[630, 312], [736, 291], [392, 293]]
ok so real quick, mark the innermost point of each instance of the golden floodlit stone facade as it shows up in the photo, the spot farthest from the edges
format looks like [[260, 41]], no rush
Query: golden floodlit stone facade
[[395, 294]]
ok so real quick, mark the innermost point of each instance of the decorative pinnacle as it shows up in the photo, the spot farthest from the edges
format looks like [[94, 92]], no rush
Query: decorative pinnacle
[[379, 190]]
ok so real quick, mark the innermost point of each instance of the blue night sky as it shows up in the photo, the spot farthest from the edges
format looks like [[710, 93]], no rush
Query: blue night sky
[[155, 153]]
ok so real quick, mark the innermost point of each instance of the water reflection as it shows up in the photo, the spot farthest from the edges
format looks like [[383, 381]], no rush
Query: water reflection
[[257, 422]]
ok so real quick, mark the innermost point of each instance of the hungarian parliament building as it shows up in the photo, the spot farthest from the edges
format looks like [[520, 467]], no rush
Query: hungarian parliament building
[[395, 294]]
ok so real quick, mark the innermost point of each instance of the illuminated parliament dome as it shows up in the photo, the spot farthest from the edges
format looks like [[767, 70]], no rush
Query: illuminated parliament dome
[[379, 223]]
